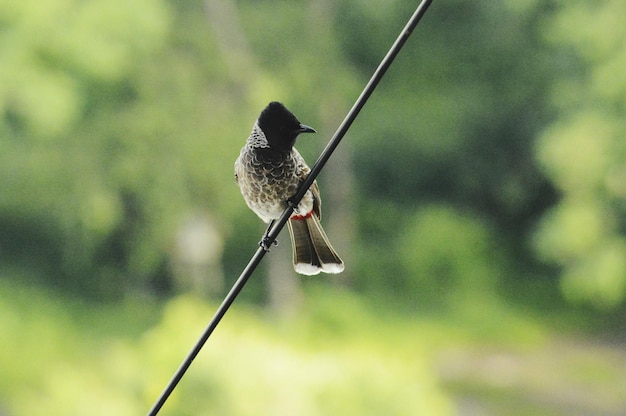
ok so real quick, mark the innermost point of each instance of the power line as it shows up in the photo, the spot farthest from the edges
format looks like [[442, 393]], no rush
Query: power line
[[280, 223]]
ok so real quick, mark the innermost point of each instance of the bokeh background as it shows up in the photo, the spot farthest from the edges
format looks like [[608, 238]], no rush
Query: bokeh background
[[479, 202]]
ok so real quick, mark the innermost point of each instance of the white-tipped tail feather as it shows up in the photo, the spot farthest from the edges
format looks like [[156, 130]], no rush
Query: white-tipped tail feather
[[312, 252], [307, 269], [332, 268], [311, 270]]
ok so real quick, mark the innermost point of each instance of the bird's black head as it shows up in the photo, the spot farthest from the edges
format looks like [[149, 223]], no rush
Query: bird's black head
[[281, 127]]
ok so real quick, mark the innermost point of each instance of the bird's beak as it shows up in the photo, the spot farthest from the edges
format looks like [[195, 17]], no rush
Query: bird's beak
[[306, 129]]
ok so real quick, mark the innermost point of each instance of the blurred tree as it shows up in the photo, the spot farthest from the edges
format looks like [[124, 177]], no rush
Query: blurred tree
[[114, 124], [452, 123], [117, 122], [120, 123], [65, 74], [448, 256], [456, 116], [584, 153]]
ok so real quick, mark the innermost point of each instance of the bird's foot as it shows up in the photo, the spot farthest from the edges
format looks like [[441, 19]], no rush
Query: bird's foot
[[265, 243], [292, 205]]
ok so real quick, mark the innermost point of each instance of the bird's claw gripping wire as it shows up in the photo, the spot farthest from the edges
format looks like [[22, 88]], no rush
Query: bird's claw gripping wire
[[292, 205], [265, 241]]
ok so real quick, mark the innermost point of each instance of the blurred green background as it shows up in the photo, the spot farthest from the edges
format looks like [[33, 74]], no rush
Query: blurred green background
[[479, 202]]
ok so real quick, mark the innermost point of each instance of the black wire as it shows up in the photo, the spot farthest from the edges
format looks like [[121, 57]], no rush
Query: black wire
[[280, 223]]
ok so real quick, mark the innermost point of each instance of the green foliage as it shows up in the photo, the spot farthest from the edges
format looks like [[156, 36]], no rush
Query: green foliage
[[492, 149], [583, 153], [105, 147], [252, 366], [65, 72], [456, 123], [272, 376], [340, 354], [53, 50], [500, 123], [448, 255], [119, 121]]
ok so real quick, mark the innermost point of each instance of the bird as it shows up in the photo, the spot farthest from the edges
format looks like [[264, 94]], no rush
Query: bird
[[269, 171]]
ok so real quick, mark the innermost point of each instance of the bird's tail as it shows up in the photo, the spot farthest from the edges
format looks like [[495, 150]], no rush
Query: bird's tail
[[312, 252]]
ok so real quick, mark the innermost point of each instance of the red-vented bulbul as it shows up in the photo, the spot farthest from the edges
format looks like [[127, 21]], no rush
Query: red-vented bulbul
[[269, 171]]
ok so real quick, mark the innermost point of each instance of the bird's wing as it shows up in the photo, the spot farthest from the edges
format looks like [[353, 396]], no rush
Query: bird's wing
[[303, 172], [317, 200]]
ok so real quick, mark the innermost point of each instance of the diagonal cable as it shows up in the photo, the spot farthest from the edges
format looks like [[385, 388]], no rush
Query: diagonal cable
[[295, 200]]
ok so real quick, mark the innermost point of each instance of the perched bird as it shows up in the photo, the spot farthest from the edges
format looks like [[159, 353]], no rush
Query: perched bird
[[269, 171]]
